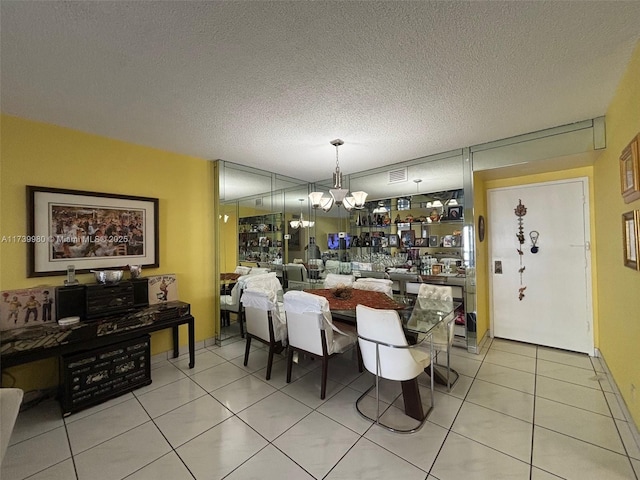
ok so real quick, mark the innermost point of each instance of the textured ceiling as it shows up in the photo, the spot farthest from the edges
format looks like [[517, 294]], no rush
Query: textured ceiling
[[269, 84]]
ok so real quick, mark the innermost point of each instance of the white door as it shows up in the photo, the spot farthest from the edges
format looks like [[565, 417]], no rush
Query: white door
[[556, 309]]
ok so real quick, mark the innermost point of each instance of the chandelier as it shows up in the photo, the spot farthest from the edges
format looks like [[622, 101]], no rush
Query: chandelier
[[301, 222], [338, 196]]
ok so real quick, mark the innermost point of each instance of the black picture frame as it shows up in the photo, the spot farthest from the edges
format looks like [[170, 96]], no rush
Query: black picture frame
[[89, 230], [394, 240], [454, 213]]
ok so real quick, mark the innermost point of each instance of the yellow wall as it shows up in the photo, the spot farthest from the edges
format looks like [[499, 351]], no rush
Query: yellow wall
[[482, 274], [619, 286], [46, 155]]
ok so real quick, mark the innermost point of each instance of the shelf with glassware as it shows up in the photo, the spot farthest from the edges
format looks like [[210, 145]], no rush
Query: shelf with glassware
[[260, 237]]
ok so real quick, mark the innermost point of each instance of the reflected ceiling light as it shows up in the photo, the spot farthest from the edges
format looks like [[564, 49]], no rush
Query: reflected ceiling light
[[301, 222], [338, 196], [226, 218]]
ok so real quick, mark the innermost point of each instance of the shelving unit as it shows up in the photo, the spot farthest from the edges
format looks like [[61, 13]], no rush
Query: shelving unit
[[421, 231], [260, 237]]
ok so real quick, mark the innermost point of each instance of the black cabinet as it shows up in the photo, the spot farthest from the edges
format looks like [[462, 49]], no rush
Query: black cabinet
[[96, 375]]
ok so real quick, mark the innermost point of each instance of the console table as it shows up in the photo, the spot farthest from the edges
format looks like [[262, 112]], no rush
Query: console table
[[29, 344]]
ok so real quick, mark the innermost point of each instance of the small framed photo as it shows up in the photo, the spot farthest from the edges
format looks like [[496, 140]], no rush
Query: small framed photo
[[631, 238], [447, 241], [454, 213], [630, 171], [408, 238], [433, 240], [420, 242], [394, 240]]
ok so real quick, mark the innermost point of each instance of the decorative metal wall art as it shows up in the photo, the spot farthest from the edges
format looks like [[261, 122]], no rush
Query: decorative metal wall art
[[520, 212], [534, 235]]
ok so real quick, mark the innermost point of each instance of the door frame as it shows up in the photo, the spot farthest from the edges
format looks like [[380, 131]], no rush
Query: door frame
[[588, 234]]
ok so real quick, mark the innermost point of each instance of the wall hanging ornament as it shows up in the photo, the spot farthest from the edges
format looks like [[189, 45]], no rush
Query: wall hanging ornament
[[534, 235], [520, 212]]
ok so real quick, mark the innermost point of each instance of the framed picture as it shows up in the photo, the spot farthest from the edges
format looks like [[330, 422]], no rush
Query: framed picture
[[447, 241], [408, 238], [433, 240], [630, 171], [90, 230], [393, 240], [420, 242], [631, 238], [454, 213]]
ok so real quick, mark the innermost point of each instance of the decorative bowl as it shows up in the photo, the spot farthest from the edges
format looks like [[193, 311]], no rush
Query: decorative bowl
[[108, 276]]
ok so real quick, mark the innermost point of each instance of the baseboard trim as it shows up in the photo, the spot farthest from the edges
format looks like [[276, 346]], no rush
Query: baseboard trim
[[620, 399]]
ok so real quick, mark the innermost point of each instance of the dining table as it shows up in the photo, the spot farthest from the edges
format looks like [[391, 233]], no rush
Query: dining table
[[419, 317]]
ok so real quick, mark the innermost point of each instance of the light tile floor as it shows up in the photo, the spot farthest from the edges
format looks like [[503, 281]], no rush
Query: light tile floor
[[518, 411]]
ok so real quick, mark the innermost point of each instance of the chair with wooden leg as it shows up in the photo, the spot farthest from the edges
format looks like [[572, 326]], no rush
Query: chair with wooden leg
[[311, 330], [265, 322]]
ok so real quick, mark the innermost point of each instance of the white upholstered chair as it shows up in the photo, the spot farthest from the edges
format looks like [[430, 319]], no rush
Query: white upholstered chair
[[312, 331], [10, 401], [230, 303], [295, 275], [375, 285], [332, 280], [266, 322], [332, 266], [442, 334], [387, 354]]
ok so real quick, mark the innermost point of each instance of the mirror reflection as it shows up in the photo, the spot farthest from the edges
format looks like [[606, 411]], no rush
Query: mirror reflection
[[411, 230]]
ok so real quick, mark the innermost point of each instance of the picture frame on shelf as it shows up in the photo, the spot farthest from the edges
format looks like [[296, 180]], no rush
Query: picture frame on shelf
[[433, 240], [454, 213], [394, 240], [420, 242], [447, 241], [408, 238], [91, 230], [631, 238], [630, 171]]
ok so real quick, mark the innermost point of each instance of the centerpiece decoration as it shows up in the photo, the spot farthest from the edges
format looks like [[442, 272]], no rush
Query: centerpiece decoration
[[342, 291]]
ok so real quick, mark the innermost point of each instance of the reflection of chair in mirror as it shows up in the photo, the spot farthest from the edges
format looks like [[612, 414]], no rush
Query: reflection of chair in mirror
[[266, 322], [372, 274], [375, 285], [311, 330], [443, 333], [230, 303], [386, 354], [316, 268], [332, 280], [332, 266], [295, 275]]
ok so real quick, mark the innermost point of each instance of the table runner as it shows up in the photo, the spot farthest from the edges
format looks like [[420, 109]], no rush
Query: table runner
[[359, 297]]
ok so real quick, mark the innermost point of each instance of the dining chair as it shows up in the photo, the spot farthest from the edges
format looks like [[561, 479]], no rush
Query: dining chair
[[242, 270], [332, 280], [266, 322], [375, 285], [443, 333], [10, 401], [231, 302], [312, 331], [332, 266], [387, 354], [296, 277]]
